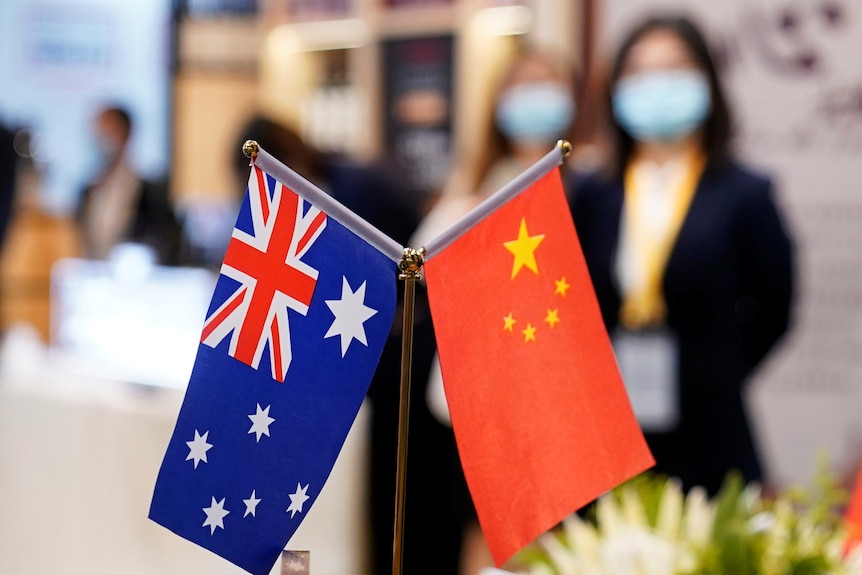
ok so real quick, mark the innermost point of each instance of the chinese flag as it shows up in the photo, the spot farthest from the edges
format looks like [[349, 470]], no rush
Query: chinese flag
[[853, 516], [540, 413]]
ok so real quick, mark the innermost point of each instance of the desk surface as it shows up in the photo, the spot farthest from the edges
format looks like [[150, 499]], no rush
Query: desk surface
[[78, 461]]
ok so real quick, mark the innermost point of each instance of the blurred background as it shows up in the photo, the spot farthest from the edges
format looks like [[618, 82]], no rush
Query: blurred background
[[96, 352]]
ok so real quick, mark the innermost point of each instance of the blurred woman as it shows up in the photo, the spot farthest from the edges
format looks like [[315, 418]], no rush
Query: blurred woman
[[121, 206], [689, 256], [534, 106]]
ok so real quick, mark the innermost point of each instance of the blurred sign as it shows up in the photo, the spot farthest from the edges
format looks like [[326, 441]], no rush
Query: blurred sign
[[69, 41], [219, 45], [398, 3], [197, 8], [61, 62], [319, 9], [418, 108]]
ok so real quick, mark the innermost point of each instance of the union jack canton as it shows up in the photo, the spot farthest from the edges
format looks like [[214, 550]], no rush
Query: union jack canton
[[298, 320]]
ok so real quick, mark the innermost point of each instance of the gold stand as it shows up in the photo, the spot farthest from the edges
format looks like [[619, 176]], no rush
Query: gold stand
[[295, 562], [410, 269]]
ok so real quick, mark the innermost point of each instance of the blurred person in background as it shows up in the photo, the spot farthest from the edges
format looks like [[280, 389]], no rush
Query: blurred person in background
[[533, 107], [8, 171], [690, 259], [119, 206], [8, 168]]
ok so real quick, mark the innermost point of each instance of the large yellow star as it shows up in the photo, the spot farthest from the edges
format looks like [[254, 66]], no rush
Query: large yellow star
[[509, 322], [529, 333], [524, 249], [552, 318]]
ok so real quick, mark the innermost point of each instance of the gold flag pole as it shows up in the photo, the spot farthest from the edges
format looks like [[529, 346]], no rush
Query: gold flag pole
[[410, 268]]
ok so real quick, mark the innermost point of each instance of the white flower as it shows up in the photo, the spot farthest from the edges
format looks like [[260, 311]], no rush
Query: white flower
[[669, 518], [687, 533], [564, 560], [582, 537], [636, 551], [699, 517], [633, 507], [608, 516], [761, 522]]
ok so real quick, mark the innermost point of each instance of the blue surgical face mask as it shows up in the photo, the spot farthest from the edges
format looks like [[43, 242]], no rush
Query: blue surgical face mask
[[662, 106], [106, 150], [535, 114]]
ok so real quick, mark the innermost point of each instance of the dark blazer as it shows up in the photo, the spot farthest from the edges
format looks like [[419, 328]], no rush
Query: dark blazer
[[728, 287], [153, 221], [8, 165], [372, 195]]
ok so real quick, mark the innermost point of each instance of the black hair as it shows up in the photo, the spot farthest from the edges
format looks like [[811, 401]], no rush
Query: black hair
[[281, 142], [121, 114], [716, 131]]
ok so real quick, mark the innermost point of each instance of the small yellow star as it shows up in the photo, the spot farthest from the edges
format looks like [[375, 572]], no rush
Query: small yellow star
[[529, 333], [524, 249], [552, 317], [509, 322], [562, 286]]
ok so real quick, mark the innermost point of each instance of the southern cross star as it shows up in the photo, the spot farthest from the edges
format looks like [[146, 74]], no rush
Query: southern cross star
[[297, 500], [260, 422], [251, 504], [215, 515], [198, 448]]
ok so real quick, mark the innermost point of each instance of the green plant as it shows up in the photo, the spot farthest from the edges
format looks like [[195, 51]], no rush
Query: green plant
[[648, 526]]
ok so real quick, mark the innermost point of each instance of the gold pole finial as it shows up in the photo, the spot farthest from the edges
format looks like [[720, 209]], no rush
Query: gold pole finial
[[250, 148], [410, 266], [566, 147]]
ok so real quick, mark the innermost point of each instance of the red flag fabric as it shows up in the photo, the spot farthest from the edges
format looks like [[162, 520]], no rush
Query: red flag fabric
[[853, 515], [540, 413]]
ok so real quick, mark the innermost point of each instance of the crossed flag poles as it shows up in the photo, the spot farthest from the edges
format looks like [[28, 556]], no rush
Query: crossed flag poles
[[299, 316]]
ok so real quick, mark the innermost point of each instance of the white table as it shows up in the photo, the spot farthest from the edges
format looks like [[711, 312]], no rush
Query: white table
[[78, 461]]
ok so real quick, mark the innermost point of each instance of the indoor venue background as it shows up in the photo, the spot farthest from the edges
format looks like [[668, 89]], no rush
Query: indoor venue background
[[95, 355]]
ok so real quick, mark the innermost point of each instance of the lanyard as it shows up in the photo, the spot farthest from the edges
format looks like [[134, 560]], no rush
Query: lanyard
[[644, 305]]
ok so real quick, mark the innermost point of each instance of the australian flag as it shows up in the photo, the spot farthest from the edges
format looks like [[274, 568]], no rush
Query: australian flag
[[292, 337]]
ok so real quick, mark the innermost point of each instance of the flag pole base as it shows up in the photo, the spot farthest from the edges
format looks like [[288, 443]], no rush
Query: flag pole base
[[295, 562], [410, 270]]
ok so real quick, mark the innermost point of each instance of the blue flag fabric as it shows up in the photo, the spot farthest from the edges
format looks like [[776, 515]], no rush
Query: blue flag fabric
[[296, 326]]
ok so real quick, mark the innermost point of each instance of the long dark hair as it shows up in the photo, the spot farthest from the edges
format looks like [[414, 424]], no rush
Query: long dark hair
[[716, 131]]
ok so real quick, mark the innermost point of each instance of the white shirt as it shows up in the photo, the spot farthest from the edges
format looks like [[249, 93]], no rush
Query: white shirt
[[110, 210], [660, 185]]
